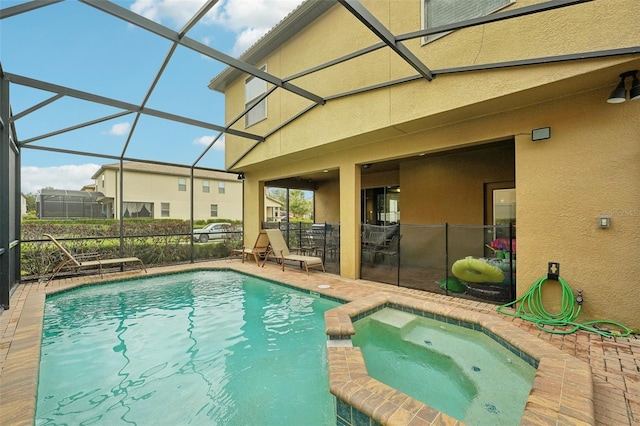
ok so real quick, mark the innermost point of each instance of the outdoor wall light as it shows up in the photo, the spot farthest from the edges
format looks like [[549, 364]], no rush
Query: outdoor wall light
[[240, 176], [541, 133], [619, 94], [604, 222]]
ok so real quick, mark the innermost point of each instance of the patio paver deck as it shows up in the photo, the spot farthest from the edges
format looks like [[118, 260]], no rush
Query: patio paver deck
[[614, 362]]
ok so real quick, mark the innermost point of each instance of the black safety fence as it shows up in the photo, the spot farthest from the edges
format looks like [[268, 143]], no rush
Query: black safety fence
[[476, 262]]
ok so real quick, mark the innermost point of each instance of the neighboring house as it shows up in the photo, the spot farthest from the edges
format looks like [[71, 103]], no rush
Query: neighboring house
[[23, 205], [272, 208], [444, 148], [160, 191]]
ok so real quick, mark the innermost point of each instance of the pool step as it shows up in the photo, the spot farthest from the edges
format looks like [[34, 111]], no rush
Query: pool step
[[411, 330], [392, 318]]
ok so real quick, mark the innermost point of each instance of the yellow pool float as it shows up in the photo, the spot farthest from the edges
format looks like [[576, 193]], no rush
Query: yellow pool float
[[474, 270]]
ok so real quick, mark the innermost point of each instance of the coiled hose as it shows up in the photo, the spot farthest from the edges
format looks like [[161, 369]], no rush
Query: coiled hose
[[530, 308]]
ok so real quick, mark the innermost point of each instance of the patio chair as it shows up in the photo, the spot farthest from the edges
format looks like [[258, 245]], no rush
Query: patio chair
[[260, 249], [77, 262], [280, 249], [372, 241], [389, 250]]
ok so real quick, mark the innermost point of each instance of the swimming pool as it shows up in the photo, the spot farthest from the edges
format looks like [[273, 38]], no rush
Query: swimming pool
[[453, 369], [215, 347]]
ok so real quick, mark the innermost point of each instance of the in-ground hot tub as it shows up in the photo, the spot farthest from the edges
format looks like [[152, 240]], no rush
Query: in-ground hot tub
[[457, 370], [562, 388]]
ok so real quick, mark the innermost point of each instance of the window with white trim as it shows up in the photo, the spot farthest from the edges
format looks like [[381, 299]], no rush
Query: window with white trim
[[443, 12], [164, 209], [182, 184], [253, 89], [214, 210], [206, 185], [137, 209], [221, 187]]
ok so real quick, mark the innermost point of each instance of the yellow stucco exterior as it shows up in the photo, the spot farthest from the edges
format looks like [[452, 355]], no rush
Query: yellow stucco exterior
[[589, 167]]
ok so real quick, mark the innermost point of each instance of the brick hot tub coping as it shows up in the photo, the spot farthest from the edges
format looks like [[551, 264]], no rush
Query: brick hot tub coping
[[561, 393]]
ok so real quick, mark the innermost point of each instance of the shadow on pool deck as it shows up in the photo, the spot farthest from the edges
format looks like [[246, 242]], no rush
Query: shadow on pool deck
[[614, 363]]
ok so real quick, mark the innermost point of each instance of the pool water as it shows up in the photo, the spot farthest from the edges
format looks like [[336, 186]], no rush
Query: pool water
[[456, 370], [207, 347]]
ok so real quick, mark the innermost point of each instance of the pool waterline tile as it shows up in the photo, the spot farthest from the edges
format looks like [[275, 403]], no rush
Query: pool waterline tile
[[20, 340]]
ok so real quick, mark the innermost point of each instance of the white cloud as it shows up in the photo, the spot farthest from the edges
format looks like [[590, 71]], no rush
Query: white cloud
[[248, 19], [72, 177], [237, 15], [178, 12], [206, 140], [246, 39], [119, 129], [207, 40]]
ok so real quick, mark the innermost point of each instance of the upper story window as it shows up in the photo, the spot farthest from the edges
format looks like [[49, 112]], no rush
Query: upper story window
[[182, 184], [442, 12], [221, 187], [206, 185], [253, 89]]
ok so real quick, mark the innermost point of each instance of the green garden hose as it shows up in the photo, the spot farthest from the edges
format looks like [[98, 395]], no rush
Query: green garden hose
[[530, 308]]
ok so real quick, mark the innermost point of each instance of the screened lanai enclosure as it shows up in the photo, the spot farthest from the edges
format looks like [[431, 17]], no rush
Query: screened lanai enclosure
[[90, 98], [67, 204]]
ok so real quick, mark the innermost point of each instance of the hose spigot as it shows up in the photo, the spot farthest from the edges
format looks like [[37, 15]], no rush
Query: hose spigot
[[579, 299]]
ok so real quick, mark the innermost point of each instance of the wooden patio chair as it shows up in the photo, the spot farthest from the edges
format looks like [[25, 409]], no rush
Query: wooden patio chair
[[280, 249], [75, 263], [260, 249]]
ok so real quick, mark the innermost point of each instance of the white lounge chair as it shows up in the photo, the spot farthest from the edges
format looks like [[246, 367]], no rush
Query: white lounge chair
[[280, 249]]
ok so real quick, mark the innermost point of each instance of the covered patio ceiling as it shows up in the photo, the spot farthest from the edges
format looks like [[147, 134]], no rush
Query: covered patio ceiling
[[312, 179], [179, 39]]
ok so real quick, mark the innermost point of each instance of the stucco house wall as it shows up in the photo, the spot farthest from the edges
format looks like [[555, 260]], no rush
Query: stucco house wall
[[589, 167], [327, 202], [23, 205]]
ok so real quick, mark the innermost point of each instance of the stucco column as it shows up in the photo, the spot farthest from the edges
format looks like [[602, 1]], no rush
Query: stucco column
[[253, 209], [350, 221]]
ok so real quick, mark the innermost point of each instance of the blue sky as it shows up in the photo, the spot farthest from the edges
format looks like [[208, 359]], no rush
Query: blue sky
[[75, 45]]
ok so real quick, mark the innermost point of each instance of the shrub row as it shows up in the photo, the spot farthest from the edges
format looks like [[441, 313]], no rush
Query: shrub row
[[153, 241]]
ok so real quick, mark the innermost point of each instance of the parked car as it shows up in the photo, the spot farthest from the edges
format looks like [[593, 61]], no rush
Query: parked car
[[212, 231]]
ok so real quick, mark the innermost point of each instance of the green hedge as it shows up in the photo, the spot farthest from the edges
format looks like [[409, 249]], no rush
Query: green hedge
[[150, 240]]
